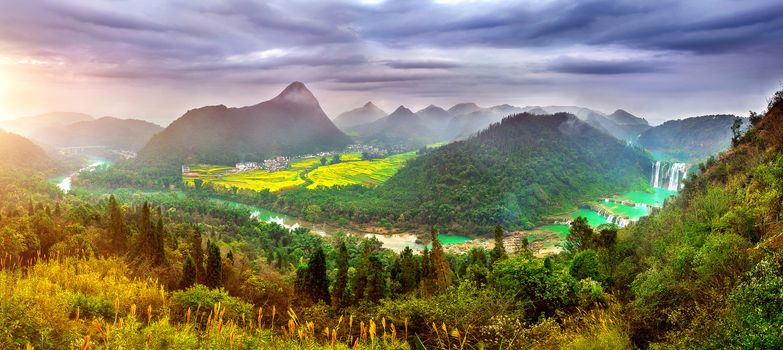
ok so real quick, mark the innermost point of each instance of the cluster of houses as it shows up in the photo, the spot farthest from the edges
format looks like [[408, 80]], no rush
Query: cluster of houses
[[368, 151]]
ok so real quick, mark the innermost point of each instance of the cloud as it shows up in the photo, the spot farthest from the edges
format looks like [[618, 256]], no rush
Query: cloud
[[423, 64], [603, 67]]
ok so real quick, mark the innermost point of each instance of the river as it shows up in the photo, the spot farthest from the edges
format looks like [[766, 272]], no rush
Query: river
[[64, 182]]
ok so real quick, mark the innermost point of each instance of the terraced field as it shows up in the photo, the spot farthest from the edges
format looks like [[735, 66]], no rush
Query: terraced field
[[351, 170], [364, 172]]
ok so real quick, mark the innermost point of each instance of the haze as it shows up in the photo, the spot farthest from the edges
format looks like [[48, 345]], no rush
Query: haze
[[154, 60]]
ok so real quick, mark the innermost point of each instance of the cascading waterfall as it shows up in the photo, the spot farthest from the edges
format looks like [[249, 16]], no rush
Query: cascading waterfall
[[669, 175]]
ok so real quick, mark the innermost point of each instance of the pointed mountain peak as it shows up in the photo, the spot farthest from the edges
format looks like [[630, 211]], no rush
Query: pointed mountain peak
[[402, 109], [297, 93], [369, 104], [432, 108]]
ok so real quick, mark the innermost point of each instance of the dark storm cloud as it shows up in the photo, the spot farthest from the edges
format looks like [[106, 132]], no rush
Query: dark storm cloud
[[599, 67], [422, 64]]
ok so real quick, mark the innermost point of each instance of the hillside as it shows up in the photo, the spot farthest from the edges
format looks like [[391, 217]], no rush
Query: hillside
[[291, 123], [28, 125], [125, 134], [515, 172], [19, 152], [713, 255], [690, 138], [362, 115]]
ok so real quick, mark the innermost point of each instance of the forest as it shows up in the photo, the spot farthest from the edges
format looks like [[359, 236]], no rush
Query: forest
[[163, 269]]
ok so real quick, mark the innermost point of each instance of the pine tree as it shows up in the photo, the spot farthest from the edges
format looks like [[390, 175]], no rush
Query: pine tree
[[499, 252], [116, 225], [316, 282], [409, 271], [214, 270], [146, 233], [197, 251], [188, 273], [30, 208], [158, 239], [440, 272], [376, 279], [362, 267], [339, 299]]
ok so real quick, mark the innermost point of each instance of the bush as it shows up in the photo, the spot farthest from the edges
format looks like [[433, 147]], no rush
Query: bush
[[203, 299], [537, 288], [586, 265]]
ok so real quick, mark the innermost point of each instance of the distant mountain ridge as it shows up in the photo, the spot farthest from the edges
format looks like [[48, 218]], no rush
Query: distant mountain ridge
[[690, 138], [125, 134], [401, 127], [362, 115], [28, 125], [290, 123]]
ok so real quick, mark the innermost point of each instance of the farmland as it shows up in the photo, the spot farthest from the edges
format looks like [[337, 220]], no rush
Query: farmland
[[308, 172]]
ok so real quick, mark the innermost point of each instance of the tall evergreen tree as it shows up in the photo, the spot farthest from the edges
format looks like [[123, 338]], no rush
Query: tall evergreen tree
[[116, 225], [409, 271], [362, 267], [214, 270], [316, 282], [188, 273], [158, 239], [441, 275], [339, 299], [376, 279], [499, 252], [197, 251]]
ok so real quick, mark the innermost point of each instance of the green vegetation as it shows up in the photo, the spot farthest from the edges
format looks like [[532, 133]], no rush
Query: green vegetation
[[358, 172]]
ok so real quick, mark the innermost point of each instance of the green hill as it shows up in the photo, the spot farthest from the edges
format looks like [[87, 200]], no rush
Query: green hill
[[19, 152]]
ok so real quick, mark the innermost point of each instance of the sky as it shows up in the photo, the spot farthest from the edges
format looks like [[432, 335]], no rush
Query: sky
[[154, 60]]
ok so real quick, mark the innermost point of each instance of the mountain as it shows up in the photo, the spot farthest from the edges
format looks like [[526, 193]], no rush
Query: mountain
[[515, 172], [402, 127], [19, 152], [28, 125], [362, 115], [291, 123], [124, 134], [620, 124], [465, 125], [690, 138], [622, 117], [464, 108]]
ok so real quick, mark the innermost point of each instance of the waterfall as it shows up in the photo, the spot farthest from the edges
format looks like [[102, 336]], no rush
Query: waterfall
[[668, 175]]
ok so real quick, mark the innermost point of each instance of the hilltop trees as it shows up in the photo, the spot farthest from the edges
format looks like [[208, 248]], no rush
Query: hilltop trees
[[580, 236], [312, 278], [439, 275], [341, 282], [188, 273]]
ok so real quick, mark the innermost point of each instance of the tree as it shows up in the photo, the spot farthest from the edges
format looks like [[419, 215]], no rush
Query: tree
[[607, 236], [323, 160], [736, 131], [197, 183], [499, 252], [214, 270], [580, 236], [440, 274], [409, 271], [585, 264], [316, 282], [197, 252], [336, 159], [158, 250], [376, 279], [188, 273], [116, 225], [339, 299]]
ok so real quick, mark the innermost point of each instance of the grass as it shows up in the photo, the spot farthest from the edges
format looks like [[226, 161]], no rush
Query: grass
[[361, 172]]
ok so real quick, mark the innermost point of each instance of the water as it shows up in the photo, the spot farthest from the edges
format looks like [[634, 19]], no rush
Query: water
[[64, 183], [655, 199]]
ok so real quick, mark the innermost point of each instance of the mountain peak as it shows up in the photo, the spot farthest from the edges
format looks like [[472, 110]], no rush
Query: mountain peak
[[402, 109], [464, 108], [297, 93], [369, 104]]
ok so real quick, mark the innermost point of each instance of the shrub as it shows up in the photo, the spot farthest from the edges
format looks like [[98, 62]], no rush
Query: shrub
[[203, 299]]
